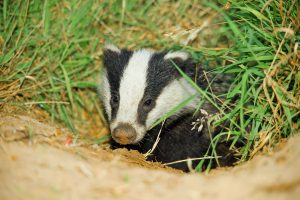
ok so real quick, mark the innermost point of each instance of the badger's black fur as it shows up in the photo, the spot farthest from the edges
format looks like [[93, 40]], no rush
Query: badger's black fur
[[178, 139], [179, 142]]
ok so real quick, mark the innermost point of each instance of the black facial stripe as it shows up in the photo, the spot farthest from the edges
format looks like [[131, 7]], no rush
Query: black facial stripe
[[115, 64], [159, 74]]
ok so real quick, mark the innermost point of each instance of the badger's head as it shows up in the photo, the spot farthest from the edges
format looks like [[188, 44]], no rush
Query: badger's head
[[138, 87]]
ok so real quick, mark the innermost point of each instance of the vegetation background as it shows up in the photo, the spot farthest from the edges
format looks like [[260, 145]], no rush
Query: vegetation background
[[50, 58]]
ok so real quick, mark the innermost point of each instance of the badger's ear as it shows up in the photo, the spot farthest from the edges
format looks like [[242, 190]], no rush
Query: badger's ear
[[177, 55], [182, 60], [111, 54], [108, 47]]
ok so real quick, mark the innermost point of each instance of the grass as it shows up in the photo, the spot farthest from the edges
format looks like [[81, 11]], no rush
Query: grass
[[265, 59], [50, 57]]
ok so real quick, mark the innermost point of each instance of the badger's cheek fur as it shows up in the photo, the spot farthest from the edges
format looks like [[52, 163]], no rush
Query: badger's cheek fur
[[127, 133]]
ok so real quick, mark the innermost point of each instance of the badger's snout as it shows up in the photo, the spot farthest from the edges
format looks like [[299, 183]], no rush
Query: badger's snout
[[124, 134]]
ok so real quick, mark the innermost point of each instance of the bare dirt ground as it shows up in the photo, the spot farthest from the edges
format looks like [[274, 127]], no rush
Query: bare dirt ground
[[36, 164]]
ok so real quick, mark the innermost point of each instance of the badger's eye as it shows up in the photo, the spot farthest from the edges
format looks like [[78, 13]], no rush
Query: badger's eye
[[114, 99], [148, 103]]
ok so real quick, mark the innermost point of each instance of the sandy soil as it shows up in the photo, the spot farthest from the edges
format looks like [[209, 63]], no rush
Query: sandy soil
[[36, 164]]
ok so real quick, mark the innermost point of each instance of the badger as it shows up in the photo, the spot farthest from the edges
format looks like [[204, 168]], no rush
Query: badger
[[138, 87]]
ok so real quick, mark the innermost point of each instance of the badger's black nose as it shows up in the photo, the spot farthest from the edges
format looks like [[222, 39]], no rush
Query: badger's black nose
[[124, 134]]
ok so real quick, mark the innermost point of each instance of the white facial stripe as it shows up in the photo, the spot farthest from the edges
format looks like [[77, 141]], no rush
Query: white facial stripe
[[104, 90], [177, 54], [172, 95], [132, 87]]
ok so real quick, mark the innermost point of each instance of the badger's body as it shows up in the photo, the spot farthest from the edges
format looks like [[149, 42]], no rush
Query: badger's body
[[139, 87]]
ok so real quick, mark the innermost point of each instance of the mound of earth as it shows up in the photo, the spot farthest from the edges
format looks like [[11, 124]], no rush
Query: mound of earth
[[36, 164]]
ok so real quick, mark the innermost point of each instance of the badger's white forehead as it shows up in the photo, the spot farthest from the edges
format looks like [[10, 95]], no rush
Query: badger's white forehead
[[132, 87]]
